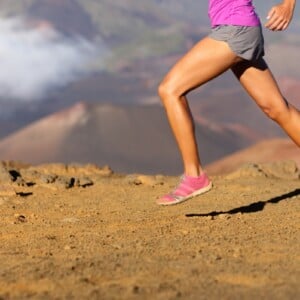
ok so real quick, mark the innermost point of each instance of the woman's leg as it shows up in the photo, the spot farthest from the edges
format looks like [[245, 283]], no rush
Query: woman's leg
[[206, 60], [260, 84]]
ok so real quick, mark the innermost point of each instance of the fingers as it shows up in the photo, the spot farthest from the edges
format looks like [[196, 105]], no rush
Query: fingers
[[271, 13], [277, 24], [279, 18]]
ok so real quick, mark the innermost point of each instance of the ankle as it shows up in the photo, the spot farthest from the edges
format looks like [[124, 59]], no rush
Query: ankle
[[194, 172]]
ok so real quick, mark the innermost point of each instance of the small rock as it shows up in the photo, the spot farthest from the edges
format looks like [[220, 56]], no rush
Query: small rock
[[83, 182], [224, 216], [20, 181], [239, 215], [15, 174], [48, 178], [132, 179], [64, 182], [21, 218], [138, 179], [5, 176], [282, 169], [248, 170]]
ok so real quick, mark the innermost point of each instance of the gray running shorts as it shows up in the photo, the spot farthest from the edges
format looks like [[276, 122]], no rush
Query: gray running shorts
[[246, 42]]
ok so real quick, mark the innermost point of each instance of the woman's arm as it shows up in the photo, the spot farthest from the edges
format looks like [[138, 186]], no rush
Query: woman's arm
[[280, 16]]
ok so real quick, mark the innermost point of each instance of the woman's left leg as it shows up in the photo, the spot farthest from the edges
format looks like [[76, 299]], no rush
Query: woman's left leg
[[260, 84]]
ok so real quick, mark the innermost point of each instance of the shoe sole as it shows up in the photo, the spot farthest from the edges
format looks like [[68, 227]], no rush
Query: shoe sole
[[196, 193]]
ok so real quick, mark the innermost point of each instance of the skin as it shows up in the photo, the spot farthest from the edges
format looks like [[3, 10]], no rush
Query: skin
[[280, 16], [210, 58]]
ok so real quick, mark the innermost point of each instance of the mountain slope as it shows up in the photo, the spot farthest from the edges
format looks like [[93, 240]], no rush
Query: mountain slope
[[128, 138], [266, 151]]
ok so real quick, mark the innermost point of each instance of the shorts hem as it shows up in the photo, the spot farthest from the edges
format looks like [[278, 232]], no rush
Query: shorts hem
[[244, 41]]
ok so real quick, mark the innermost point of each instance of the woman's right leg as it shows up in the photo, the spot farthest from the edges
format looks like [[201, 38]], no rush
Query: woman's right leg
[[206, 60]]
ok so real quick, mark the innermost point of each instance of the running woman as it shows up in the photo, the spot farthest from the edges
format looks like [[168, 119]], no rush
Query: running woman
[[235, 42]]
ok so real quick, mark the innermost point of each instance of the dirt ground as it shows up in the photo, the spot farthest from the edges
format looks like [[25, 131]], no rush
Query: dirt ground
[[81, 232]]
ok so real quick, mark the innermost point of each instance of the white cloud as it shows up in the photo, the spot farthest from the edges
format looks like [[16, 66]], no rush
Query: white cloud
[[35, 60]]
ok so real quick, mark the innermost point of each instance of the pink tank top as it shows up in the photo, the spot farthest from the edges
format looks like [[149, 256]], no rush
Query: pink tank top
[[232, 12]]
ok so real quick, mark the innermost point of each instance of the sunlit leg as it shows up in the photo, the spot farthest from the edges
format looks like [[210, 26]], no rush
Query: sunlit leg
[[206, 60], [259, 82]]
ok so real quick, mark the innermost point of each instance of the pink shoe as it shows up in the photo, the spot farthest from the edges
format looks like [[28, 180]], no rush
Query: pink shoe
[[187, 188]]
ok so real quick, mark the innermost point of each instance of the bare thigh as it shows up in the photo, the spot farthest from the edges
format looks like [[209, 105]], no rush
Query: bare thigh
[[205, 61], [260, 84]]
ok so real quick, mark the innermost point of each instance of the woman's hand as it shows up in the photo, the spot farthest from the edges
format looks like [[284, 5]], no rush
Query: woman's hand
[[280, 16]]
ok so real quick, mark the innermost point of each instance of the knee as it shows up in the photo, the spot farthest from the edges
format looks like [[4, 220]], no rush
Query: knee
[[277, 113], [162, 90], [167, 90]]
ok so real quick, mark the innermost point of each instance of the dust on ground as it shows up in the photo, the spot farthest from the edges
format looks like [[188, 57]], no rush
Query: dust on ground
[[83, 232]]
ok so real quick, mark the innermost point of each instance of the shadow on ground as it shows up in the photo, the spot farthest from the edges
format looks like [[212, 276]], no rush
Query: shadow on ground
[[251, 208]]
